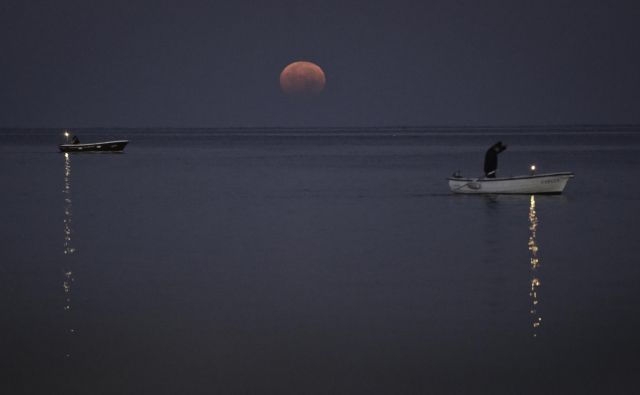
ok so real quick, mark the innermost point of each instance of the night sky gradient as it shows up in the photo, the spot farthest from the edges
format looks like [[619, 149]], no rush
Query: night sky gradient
[[210, 63]]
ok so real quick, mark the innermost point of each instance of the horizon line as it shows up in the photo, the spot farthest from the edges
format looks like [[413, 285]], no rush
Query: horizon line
[[396, 127]]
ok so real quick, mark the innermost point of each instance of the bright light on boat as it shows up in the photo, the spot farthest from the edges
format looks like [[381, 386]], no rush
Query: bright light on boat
[[533, 169], [66, 133]]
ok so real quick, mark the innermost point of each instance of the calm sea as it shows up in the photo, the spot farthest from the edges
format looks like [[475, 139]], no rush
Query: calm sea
[[321, 261]]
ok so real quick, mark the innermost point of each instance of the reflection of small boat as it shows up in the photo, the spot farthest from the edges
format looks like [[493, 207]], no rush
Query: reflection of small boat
[[529, 184], [116, 145]]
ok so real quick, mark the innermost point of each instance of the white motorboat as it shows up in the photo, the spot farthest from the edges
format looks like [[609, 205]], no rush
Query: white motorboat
[[102, 146], [112, 146], [550, 183]]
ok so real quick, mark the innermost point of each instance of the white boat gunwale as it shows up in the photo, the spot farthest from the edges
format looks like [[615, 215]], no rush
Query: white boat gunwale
[[522, 177], [94, 144]]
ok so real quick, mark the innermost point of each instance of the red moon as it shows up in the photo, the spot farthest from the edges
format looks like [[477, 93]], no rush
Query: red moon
[[302, 78]]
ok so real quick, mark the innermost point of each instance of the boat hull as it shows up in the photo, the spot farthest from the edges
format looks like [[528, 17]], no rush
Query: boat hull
[[103, 146], [552, 183]]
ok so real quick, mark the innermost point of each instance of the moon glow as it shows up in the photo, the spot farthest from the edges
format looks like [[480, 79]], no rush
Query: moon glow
[[302, 79]]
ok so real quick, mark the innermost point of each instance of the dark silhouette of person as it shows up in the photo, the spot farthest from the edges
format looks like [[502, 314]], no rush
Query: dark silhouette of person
[[491, 159], [75, 140]]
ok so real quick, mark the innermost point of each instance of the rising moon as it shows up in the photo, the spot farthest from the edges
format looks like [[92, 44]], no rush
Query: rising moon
[[302, 79]]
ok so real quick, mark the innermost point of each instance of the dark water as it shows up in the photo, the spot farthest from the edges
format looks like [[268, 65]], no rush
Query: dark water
[[318, 261]]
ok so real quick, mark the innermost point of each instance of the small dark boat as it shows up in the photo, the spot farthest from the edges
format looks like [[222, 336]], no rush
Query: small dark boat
[[103, 146]]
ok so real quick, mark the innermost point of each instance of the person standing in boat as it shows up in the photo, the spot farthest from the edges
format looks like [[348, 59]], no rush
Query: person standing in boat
[[75, 140], [491, 159]]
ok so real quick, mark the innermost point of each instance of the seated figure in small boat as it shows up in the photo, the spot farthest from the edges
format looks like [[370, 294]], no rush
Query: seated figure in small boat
[[75, 140], [491, 159]]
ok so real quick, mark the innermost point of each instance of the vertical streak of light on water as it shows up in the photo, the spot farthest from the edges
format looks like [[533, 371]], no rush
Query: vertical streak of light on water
[[536, 318], [69, 250]]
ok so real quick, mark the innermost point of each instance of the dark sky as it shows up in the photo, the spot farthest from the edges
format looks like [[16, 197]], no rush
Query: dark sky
[[213, 63]]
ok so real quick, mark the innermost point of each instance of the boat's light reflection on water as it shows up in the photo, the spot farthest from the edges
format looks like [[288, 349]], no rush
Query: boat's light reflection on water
[[534, 260], [69, 251]]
